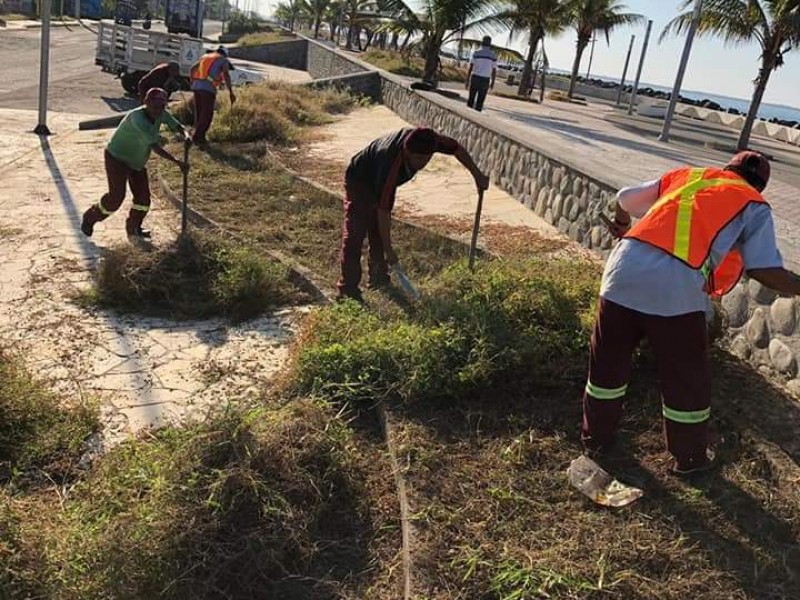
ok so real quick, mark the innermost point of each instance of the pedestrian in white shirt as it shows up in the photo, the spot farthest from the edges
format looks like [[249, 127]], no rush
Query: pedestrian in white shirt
[[481, 74]]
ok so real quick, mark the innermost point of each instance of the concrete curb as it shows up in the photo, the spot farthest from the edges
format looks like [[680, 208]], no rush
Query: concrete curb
[[300, 276]]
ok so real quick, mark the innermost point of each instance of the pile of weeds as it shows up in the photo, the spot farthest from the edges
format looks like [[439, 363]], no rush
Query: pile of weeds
[[40, 436], [272, 112], [199, 276], [409, 66], [471, 330]]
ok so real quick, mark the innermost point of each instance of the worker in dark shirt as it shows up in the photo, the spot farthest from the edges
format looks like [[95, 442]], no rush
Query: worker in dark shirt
[[371, 182], [164, 76]]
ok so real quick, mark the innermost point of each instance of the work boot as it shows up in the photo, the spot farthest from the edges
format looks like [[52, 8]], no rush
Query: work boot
[[90, 217], [695, 467], [377, 283], [350, 295]]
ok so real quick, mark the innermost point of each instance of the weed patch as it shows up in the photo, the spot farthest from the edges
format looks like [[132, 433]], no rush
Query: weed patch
[[199, 277], [409, 66], [38, 431], [471, 330], [265, 37]]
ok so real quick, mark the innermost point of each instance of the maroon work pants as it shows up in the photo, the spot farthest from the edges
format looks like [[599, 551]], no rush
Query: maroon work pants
[[360, 222], [680, 345], [119, 176], [203, 114]]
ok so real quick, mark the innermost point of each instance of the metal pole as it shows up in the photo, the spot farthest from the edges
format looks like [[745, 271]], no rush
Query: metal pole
[[591, 57], [625, 71], [473, 247], [639, 69], [44, 64], [676, 90], [184, 204]]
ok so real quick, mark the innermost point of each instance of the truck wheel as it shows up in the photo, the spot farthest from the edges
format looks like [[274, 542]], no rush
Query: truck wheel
[[130, 81]]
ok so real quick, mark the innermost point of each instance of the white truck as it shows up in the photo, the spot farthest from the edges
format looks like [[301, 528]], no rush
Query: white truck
[[130, 52]]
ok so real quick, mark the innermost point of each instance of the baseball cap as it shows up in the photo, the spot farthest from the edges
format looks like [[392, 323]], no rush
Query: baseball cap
[[222, 50], [752, 164], [156, 97]]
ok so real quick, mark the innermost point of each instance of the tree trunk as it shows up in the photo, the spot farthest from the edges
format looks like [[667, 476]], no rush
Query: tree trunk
[[431, 61], [395, 39], [525, 78], [582, 43], [317, 23], [405, 42], [370, 37], [755, 104]]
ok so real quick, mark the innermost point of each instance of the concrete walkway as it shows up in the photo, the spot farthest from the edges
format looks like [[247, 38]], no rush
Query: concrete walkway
[[144, 371]]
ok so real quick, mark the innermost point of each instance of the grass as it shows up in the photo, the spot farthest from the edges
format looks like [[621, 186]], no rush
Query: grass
[[39, 433], [265, 37], [409, 66], [201, 276], [257, 503], [470, 332], [272, 112]]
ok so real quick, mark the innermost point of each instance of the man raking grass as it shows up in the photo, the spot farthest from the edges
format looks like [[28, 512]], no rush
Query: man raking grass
[[126, 157], [371, 183], [699, 231]]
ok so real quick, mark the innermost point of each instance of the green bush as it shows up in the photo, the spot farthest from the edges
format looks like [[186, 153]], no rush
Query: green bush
[[37, 429], [239, 22], [470, 331]]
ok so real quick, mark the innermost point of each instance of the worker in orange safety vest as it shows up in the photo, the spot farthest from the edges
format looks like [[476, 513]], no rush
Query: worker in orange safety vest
[[206, 76], [699, 230]]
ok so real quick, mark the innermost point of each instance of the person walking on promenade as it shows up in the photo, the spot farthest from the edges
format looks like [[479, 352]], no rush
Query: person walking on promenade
[[206, 76], [481, 75]]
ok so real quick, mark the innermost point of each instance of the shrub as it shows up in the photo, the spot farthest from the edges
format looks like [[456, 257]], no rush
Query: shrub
[[471, 331], [239, 22]]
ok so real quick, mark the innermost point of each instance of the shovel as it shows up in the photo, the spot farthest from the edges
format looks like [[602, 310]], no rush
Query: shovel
[[185, 195], [473, 247], [405, 282]]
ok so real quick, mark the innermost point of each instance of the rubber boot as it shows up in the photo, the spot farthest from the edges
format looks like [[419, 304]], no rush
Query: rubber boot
[[133, 227], [90, 218]]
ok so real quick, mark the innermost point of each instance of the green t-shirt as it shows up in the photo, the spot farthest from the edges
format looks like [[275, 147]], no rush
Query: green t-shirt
[[136, 135]]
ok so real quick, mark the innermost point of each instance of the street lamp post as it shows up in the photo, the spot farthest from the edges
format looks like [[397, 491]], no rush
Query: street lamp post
[[625, 71], [676, 90], [44, 65], [639, 69]]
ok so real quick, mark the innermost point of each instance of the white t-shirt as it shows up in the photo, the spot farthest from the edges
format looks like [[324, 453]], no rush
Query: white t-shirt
[[483, 62]]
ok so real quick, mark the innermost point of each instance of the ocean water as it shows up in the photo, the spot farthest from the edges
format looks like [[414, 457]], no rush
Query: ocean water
[[766, 111]]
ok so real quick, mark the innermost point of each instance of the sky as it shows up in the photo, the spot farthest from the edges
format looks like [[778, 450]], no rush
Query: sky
[[713, 66]]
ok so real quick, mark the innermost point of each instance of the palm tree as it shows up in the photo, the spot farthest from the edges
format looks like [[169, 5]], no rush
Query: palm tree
[[773, 24], [591, 16], [537, 18], [286, 13], [317, 10], [441, 22]]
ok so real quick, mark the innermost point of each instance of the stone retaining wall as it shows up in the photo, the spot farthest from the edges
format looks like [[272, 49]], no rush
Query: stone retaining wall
[[290, 54], [560, 193], [367, 84], [323, 62]]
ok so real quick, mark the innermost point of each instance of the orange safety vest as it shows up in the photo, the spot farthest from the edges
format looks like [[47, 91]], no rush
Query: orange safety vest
[[694, 206], [202, 69]]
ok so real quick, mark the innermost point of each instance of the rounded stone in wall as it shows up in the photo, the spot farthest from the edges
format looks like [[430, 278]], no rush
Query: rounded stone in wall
[[782, 358], [548, 215], [757, 331], [577, 186], [737, 306], [574, 209], [566, 185], [740, 347], [563, 225], [593, 190], [761, 293], [557, 207], [596, 237], [557, 177], [782, 316]]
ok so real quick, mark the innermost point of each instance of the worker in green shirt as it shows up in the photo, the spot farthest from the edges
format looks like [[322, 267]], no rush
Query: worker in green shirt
[[125, 159]]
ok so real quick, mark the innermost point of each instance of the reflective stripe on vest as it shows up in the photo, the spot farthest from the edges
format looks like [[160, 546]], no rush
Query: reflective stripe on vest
[[687, 417], [203, 71], [600, 393], [696, 204]]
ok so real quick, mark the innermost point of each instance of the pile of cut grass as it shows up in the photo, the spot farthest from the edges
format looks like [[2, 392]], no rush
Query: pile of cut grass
[[200, 276], [267, 36]]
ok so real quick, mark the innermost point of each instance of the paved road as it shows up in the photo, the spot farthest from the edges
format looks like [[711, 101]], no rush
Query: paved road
[[76, 83]]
